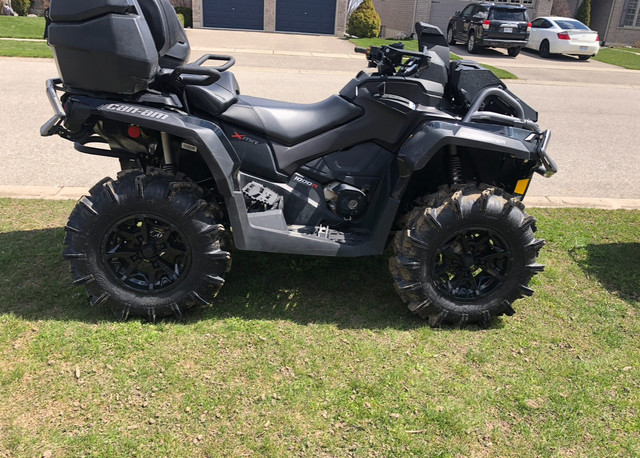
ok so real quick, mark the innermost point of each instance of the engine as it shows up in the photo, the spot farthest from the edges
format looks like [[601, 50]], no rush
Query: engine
[[345, 200]]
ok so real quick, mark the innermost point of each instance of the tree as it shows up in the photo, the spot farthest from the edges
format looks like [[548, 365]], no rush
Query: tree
[[364, 22], [584, 13]]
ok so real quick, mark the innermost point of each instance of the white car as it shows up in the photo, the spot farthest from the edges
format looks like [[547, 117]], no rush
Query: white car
[[563, 35]]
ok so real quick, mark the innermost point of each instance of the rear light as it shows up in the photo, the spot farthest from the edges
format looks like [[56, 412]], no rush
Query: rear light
[[529, 27], [486, 24], [597, 38], [564, 36]]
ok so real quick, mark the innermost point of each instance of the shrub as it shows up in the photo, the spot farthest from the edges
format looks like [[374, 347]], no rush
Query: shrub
[[187, 14], [364, 22], [181, 19], [21, 6], [584, 13]]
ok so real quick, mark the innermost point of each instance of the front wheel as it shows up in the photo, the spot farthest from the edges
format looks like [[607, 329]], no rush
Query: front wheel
[[147, 244], [472, 45], [513, 52], [466, 256]]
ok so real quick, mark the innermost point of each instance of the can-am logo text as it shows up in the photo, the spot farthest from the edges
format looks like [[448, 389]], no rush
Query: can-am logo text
[[135, 110]]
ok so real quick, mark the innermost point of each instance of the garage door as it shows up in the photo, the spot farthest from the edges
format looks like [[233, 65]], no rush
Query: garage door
[[233, 14], [442, 10], [306, 16]]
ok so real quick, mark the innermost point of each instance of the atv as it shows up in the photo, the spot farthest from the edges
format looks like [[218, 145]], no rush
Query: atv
[[430, 156]]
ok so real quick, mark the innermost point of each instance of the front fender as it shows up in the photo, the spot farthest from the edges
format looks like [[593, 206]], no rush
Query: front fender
[[432, 136]]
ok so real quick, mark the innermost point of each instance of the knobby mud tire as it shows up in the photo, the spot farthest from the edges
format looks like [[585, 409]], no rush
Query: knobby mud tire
[[471, 230], [127, 231]]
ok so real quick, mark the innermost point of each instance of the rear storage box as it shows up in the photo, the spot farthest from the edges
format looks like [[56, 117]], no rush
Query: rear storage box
[[102, 45]]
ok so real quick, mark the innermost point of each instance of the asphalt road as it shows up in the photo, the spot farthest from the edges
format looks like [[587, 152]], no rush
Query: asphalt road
[[592, 109]]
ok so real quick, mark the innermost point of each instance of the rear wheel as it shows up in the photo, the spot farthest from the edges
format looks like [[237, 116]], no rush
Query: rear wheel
[[544, 49], [147, 244], [513, 52], [450, 38], [465, 256], [584, 57], [472, 45]]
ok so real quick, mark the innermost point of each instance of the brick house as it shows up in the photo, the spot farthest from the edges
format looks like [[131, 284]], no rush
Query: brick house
[[617, 21]]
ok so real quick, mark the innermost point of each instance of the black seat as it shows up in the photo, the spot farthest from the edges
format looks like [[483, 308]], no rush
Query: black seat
[[290, 123], [215, 98]]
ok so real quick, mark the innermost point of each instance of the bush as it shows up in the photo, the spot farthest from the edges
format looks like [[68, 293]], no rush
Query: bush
[[21, 6], [187, 14], [584, 13], [364, 22], [181, 19]]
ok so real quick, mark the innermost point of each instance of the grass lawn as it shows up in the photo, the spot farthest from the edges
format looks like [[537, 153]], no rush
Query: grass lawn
[[622, 57], [412, 45], [21, 27], [318, 357], [12, 48]]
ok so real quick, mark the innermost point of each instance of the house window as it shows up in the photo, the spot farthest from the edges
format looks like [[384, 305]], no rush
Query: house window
[[631, 14]]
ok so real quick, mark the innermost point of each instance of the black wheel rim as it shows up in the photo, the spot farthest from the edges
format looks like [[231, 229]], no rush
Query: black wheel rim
[[471, 264], [146, 253]]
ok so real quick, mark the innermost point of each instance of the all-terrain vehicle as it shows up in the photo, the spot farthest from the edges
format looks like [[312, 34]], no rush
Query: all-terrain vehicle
[[431, 155]]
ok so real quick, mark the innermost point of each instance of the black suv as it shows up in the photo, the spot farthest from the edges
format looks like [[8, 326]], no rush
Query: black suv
[[489, 25]]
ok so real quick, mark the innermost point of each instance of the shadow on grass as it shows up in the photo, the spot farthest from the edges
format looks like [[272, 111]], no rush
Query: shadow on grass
[[616, 266], [350, 293]]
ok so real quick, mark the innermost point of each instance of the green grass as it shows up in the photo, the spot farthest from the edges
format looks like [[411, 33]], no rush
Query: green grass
[[412, 45], [623, 57], [21, 27], [319, 357], [12, 48]]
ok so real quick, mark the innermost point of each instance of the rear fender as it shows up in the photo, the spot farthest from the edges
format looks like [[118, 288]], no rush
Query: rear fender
[[215, 149]]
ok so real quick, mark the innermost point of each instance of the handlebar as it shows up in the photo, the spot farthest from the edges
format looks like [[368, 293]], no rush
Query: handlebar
[[390, 59]]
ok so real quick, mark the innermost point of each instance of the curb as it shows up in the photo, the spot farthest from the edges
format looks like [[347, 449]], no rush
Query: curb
[[75, 192]]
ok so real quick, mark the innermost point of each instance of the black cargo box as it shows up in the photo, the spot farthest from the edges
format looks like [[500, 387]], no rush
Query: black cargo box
[[102, 45]]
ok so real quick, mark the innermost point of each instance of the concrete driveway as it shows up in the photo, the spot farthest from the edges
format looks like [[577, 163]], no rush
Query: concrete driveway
[[591, 108]]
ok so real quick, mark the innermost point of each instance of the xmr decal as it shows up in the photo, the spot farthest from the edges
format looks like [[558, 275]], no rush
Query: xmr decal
[[244, 138]]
